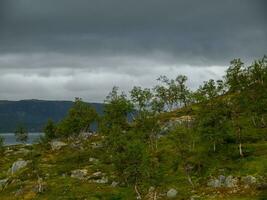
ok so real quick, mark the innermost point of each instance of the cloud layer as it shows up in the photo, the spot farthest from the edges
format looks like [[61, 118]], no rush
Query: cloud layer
[[64, 48]]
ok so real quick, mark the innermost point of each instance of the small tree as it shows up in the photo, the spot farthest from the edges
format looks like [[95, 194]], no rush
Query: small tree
[[1, 144], [79, 118], [50, 130], [21, 134]]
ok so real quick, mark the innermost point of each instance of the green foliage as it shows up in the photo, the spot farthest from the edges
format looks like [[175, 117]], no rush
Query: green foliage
[[173, 92], [209, 90], [214, 122], [21, 134], [79, 118], [1, 144], [50, 130], [141, 97]]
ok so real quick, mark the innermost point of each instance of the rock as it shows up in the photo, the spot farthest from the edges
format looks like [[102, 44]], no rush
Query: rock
[[103, 180], [56, 145], [215, 183], [16, 166], [172, 193], [249, 180], [3, 183], [114, 184], [93, 160], [230, 182], [79, 173], [221, 179]]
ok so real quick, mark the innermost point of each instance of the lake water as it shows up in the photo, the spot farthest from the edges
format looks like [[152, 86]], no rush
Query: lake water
[[10, 139]]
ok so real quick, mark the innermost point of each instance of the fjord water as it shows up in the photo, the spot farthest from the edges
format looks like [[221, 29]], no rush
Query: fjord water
[[10, 139]]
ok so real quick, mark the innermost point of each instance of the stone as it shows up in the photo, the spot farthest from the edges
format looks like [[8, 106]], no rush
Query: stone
[[172, 193], [56, 145], [103, 180], [79, 173], [221, 179], [230, 182], [215, 183], [16, 166], [93, 160], [249, 180], [114, 184], [3, 183]]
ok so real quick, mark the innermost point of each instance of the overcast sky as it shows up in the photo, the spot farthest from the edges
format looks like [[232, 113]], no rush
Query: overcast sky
[[61, 49]]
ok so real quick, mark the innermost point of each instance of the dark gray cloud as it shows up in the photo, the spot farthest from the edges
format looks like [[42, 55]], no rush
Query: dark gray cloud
[[81, 48]]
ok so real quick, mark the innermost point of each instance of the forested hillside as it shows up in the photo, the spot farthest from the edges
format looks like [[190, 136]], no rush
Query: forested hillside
[[33, 114]]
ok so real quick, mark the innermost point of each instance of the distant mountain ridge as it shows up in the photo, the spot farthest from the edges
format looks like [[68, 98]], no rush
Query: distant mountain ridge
[[34, 113]]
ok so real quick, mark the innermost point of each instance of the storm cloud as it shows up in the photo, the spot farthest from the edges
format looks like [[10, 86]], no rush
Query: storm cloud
[[60, 49]]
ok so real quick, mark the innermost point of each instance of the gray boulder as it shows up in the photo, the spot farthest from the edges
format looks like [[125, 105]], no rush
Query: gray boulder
[[56, 145], [172, 193], [16, 166]]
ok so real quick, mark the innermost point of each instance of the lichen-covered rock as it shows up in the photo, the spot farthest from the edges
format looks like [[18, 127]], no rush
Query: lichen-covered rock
[[215, 183], [56, 145], [16, 166], [172, 193], [223, 181], [230, 182], [79, 173], [102, 180], [249, 180]]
